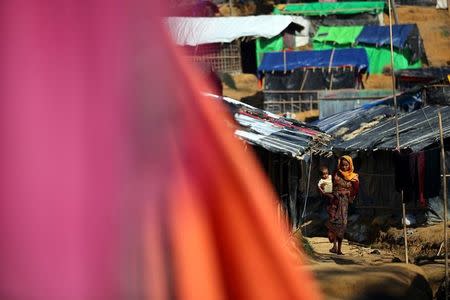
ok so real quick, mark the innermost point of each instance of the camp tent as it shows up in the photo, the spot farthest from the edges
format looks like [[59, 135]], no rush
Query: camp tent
[[217, 39], [301, 74], [409, 50], [292, 79], [337, 13], [291, 38], [408, 46]]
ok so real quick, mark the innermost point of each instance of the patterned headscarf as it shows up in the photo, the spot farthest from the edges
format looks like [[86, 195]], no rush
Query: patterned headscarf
[[347, 175]]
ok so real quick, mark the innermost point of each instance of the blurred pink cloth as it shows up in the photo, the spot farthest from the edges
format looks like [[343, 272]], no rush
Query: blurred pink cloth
[[118, 180]]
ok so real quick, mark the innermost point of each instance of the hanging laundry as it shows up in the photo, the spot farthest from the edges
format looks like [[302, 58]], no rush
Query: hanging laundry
[[420, 177]]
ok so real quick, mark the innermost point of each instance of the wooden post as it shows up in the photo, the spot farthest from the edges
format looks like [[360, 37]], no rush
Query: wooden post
[[231, 7], [405, 237], [444, 171]]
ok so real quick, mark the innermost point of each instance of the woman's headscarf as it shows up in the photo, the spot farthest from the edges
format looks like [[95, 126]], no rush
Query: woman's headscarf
[[347, 175]]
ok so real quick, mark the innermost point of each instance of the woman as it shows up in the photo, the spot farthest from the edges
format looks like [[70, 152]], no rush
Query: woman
[[345, 188]]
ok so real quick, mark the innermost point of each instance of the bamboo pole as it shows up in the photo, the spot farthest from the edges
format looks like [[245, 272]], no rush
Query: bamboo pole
[[405, 237], [444, 171], [394, 11], [404, 230], [393, 75]]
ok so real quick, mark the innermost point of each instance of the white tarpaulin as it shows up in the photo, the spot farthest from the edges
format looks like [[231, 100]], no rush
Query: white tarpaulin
[[441, 4], [196, 31]]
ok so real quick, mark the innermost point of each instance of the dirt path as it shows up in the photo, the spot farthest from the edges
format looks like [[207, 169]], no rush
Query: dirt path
[[369, 273]]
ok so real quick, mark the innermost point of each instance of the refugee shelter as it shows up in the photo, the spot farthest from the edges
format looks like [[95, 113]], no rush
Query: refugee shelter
[[409, 51], [408, 46], [369, 135], [218, 40], [337, 13], [281, 146], [292, 79]]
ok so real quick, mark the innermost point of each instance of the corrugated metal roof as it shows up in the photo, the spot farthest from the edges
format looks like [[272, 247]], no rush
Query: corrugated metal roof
[[348, 121], [275, 133], [417, 130]]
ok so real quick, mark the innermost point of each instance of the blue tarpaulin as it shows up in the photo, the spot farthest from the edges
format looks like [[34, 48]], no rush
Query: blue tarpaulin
[[379, 35], [291, 60]]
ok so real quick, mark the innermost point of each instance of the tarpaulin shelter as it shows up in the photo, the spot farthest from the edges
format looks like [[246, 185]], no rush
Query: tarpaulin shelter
[[299, 75], [409, 51], [217, 39], [337, 13], [291, 60]]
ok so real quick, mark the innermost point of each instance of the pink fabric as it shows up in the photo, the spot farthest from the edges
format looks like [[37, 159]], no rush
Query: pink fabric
[[62, 142], [102, 127]]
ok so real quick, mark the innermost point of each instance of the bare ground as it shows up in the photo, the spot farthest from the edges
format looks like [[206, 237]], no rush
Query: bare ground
[[368, 273]]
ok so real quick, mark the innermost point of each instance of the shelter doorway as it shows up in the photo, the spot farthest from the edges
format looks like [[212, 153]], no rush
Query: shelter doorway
[[248, 56]]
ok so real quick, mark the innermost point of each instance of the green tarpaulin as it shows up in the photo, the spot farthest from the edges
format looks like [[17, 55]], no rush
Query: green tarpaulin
[[344, 36], [331, 8], [264, 45], [379, 58]]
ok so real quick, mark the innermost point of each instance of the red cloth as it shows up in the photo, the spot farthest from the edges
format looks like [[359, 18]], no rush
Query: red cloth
[[421, 177]]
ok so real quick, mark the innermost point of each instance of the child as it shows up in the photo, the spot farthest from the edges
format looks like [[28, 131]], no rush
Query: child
[[325, 183]]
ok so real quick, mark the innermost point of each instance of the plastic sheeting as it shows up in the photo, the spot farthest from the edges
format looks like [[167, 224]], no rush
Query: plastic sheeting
[[308, 79], [441, 4], [347, 20], [379, 35], [342, 36], [408, 51], [380, 58], [291, 60], [197, 31], [332, 8], [267, 45]]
